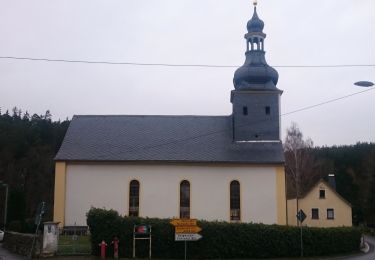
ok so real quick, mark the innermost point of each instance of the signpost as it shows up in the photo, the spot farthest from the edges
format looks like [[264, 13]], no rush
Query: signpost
[[142, 232], [186, 230], [301, 216], [184, 222], [187, 237], [38, 218]]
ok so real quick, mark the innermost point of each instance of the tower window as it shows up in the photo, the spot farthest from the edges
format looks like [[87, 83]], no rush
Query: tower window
[[244, 110], [268, 110]]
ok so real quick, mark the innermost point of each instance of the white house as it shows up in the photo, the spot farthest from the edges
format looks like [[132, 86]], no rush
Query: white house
[[228, 168]]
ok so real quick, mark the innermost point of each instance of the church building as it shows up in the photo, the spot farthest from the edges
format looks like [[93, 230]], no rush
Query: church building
[[225, 168]]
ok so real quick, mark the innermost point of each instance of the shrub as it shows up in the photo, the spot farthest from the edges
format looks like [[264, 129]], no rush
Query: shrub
[[26, 226], [220, 239]]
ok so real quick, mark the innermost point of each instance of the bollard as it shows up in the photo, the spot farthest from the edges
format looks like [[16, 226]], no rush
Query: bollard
[[103, 247], [115, 243]]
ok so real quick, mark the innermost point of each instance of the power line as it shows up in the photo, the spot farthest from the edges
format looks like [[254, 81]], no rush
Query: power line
[[326, 102], [253, 123], [179, 65]]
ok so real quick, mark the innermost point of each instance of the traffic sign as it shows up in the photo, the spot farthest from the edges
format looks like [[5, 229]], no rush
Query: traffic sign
[[40, 212], [187, 237], [187, 229], [301, 216], [184, 222], [141, 229]]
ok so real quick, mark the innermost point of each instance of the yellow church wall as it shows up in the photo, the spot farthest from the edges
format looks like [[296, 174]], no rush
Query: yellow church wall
[[342, 210], [281, 195], [78, 186], [59, 196]]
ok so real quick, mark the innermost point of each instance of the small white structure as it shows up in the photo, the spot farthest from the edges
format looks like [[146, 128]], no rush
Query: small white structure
[[50, 238]]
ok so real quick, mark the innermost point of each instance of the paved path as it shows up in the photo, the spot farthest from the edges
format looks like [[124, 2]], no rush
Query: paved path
[[6, 255], [370, 255]]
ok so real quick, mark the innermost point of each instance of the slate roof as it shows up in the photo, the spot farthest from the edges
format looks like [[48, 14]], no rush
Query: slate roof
[[201, 139]]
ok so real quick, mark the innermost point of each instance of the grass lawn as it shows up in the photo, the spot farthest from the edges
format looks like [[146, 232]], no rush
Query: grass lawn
[[69, 246]]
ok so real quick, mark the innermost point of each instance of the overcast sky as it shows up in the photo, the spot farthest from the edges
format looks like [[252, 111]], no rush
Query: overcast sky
[[320, 32]]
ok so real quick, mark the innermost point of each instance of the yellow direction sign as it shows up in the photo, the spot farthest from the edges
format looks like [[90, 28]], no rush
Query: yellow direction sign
[[187, 229], [184, 222]]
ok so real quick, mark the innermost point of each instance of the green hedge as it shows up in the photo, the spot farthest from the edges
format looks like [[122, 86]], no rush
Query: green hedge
[[220, 239]]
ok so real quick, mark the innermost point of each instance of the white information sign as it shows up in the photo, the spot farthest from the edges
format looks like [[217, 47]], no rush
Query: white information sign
[[187, 237]]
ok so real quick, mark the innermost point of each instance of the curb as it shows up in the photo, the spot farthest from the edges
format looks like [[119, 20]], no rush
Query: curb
[[366, 248]]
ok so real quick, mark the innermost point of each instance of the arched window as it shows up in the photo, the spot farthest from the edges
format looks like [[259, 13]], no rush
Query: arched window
[[134, 198], [235, 201], [184, 199]]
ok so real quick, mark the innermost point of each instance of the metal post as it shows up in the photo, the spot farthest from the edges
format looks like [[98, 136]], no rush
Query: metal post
[[33, 243], [301, 240], [150, 241], [134, 242], [185, 248], [6, 205]]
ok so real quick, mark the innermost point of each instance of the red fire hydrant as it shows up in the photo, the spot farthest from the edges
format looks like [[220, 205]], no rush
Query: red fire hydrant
[[115, 243], [103, 247]]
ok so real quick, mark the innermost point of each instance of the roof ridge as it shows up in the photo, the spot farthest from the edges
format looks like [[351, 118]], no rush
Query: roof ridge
[[151, 116]]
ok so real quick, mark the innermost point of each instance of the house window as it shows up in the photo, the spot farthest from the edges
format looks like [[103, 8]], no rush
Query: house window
[[314, 213], [235, 201], [134, 198], [244, 110], [322, 194], [330, 214], [268, 110], [184, 199]]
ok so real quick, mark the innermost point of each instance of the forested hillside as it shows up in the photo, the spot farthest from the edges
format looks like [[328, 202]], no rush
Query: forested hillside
[[354, 167], [28, 144]]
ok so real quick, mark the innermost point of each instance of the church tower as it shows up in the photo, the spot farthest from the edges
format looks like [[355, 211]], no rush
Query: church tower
[[255, 98]]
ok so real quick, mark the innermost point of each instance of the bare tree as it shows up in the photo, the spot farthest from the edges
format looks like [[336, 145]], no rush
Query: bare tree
[[302, 168]]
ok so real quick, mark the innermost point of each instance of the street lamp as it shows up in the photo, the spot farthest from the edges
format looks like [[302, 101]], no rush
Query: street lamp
[[6, 202], [365, 84]]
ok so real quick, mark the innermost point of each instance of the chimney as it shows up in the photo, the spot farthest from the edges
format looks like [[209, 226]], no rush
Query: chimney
[[332, 180]]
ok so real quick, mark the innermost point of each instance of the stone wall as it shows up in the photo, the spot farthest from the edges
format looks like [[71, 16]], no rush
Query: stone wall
[[20, 244]]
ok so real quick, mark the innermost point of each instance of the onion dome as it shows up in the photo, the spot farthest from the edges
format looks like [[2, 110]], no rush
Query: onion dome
[[255, 74], [255, 24]]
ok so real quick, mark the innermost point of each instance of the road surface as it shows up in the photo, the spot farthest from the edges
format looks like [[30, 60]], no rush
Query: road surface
[[6, 255], [370, 255]]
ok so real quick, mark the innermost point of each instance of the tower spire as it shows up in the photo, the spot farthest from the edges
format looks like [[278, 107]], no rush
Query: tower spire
[[255, 98], [255, 73]]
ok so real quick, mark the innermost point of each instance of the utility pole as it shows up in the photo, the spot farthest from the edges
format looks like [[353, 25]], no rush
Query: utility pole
[[6, 203]]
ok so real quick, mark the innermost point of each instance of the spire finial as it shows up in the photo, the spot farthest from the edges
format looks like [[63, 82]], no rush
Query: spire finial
[[255, 3]]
